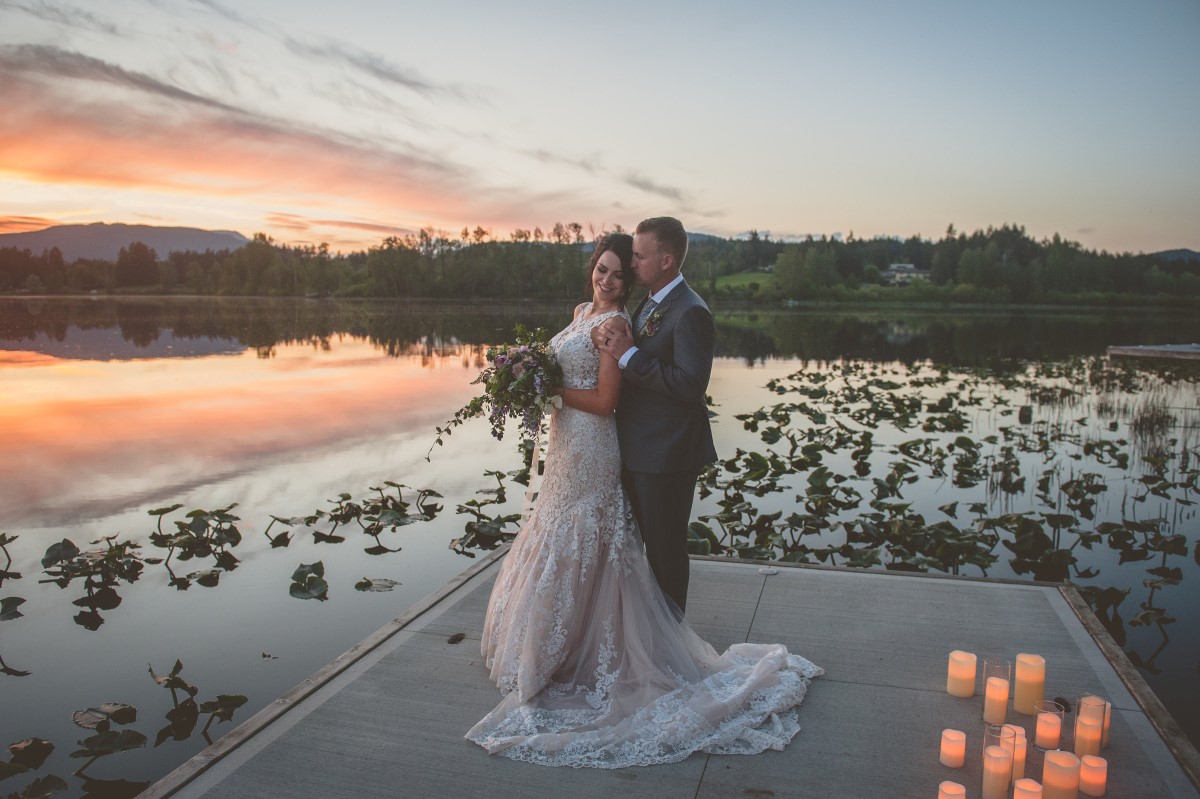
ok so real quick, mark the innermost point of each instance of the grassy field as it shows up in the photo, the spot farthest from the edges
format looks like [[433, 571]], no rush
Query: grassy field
[[742, 280]]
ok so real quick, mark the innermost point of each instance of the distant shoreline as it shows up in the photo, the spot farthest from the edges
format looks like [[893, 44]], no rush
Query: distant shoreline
[[1177, 304]]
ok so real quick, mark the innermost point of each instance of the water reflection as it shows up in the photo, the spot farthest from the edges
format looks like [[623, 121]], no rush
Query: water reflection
[[131, 328], [115, 408]]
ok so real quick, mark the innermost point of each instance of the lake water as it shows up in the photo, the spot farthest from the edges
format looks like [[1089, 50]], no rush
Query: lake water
[[112, 408]]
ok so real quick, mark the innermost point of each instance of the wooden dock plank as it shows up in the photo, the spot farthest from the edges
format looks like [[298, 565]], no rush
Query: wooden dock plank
[[391, 723]]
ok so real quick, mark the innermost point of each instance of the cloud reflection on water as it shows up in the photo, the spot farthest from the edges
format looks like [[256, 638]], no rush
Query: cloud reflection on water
[[105, 435]]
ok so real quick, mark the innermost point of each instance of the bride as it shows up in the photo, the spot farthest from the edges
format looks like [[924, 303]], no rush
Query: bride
[[596, 664]]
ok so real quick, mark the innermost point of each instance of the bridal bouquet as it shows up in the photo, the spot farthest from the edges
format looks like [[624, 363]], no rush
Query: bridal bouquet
[[517, 384]]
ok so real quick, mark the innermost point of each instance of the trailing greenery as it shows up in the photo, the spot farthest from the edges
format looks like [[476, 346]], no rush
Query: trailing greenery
[[993, 266]]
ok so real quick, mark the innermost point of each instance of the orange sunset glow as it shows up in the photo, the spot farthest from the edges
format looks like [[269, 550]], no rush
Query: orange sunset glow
[[345, 125], [205, 417]]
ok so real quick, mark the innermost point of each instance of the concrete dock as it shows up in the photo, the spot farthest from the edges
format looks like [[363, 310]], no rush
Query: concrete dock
[[387, 718], [1186, 352]]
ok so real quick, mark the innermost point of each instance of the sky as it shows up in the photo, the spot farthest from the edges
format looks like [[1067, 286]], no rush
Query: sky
[[347, 122]]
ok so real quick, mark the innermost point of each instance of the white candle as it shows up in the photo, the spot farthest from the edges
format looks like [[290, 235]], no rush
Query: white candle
[[951, 790], [1093, 775], [1049, 730], [997, 768], [960, 674], [1089, 705], [1088, 732], [1027, 789], [1030, 684], [995, 700], [954, 748], [1060, 775], [1020, 748]]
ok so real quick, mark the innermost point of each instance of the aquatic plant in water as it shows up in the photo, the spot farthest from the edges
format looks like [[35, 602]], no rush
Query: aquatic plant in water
[[1038, 489]]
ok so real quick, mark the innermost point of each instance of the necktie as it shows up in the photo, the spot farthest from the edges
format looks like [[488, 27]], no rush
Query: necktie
[[647, 309]]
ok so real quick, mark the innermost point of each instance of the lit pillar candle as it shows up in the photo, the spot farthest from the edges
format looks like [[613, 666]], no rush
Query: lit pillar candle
[[1060, 775], [1089, 705], [954, 748], [951, 790], [1020, 748], [960, 674], [997, 768], [1107, 721], [1093, 775], [1030, 682], [1049, 730], [1088, 732], [1027, 789], [995, 700]]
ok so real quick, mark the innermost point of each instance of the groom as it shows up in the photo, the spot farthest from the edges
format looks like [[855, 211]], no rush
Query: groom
[[662, 419]]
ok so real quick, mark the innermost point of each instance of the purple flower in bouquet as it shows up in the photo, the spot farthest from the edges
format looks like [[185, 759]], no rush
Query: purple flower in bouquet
[[518, 383]]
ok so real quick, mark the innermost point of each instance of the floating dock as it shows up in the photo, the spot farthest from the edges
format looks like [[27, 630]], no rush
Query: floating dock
[[386, 719], [1188, 352]]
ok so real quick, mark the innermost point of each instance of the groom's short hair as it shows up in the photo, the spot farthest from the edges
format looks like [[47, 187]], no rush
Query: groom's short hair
[[670, 234]]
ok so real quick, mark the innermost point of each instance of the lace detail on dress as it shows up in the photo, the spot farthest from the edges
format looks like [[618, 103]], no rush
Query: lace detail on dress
[[596, 667]]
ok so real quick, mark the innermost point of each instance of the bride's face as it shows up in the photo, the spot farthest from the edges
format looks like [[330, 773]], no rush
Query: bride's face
[[608, 285]]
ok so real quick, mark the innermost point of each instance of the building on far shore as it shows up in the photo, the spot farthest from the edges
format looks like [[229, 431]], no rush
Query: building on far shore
[[903, 274]]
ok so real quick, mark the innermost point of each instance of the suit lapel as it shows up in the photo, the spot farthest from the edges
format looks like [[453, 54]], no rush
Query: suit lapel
[[661, 310]]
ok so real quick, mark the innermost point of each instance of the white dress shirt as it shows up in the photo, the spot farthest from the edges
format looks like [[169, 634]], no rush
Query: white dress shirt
[[658, 298]]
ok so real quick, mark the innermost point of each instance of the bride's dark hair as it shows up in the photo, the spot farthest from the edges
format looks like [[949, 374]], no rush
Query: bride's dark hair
[[622, 245]]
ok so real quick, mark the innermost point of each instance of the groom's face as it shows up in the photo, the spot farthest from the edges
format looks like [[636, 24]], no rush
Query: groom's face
[[648, 262]]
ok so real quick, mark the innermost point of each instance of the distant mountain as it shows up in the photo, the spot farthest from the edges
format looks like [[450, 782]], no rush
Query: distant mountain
[[1178, 255], [102, 240]]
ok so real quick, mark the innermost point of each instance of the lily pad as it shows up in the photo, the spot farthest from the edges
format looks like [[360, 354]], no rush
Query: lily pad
[[308, 582], [42, 787], [64, 550], [31, 753], [116, 712], [112, 789], [376, 584], [224, 705], [8, 769], [110, 743], [173, 680], [8, 608]]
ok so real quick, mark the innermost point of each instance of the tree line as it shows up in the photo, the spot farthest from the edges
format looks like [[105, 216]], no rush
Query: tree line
[[1001, 265]]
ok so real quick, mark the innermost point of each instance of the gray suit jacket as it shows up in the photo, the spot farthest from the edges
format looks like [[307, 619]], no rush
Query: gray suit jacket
[[662, 421]]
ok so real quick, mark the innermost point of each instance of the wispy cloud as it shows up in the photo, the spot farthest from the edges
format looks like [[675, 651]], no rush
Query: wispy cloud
[[54, 132], [230, 14], [64, 14], [588, 165], [643, 183], [309, 224], [372, 64], [74, 119], [56, 62], [21, 224], [216, 68], [353, 96]]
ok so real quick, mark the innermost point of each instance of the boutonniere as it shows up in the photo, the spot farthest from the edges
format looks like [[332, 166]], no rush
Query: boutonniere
[[653, 323]]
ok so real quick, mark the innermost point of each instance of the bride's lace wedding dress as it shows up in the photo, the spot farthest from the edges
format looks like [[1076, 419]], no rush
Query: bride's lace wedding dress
[[595, 663]]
